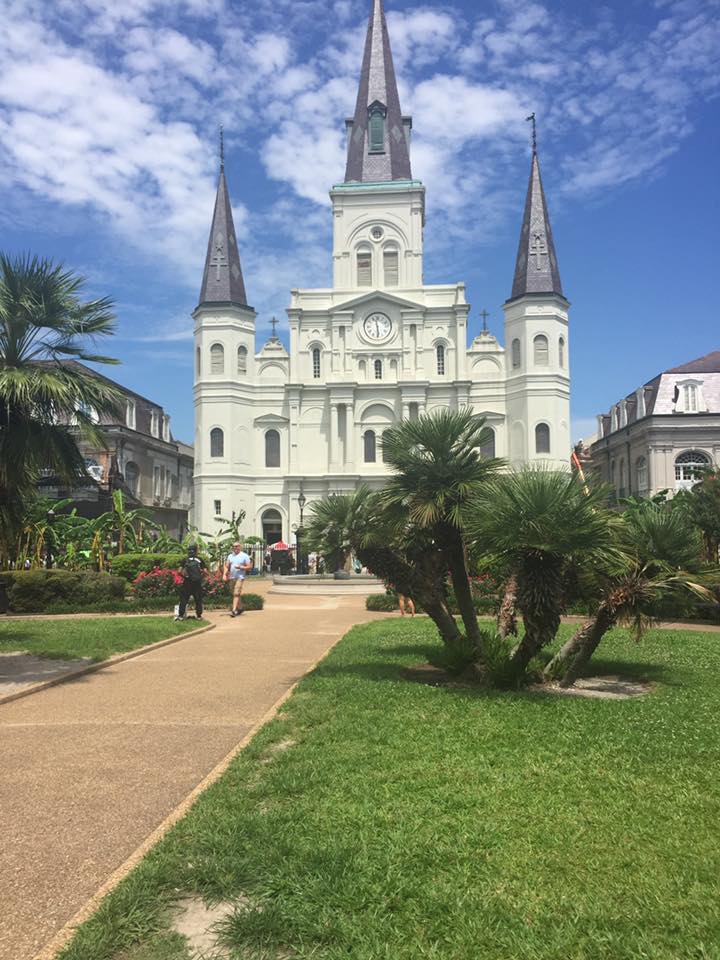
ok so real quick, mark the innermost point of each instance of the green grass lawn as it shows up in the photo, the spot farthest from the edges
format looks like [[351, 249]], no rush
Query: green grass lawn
[[95, 638], [379, 819]]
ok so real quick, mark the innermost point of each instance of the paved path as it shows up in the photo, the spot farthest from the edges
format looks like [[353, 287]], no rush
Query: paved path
[[91, 767]]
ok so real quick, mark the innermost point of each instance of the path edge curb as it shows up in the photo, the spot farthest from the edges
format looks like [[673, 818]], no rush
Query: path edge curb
[[68, 931], [101, 665]]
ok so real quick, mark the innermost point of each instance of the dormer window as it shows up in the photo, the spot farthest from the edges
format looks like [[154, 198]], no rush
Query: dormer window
[[376, 128], [688, 397]]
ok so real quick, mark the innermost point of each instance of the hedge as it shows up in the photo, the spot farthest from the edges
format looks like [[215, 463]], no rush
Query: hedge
[[381, 602], [38, 591], [129, 565]]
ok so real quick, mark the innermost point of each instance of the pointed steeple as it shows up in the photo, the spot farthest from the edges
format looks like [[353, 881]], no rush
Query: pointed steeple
[[378, 134], [223, 280], [536, 268]]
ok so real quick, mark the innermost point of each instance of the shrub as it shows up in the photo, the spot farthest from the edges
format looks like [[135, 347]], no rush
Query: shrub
[[382, 601], [129, 565], [37, 591], [156, 583]]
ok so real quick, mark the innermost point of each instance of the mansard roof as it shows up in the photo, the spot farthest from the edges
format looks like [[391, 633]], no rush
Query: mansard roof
[[709, 363], [378, 89], [222, 279], [536, 268]]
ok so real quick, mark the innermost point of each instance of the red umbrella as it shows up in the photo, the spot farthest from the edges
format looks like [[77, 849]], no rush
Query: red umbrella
[[280, 545]]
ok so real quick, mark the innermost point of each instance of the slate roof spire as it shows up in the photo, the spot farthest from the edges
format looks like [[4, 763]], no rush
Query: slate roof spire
[[378, 134], [223, 280], [536, 268]]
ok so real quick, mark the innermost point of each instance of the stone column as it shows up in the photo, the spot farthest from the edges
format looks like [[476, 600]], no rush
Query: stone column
[[334, 436]]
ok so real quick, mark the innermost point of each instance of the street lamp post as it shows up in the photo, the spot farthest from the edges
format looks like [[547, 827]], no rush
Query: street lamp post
[[48, 539], [298, 536]]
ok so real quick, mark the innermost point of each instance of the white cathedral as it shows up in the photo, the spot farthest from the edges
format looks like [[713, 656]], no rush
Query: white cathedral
[[377, 347]]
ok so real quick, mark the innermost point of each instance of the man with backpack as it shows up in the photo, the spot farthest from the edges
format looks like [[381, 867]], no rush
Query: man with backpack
[[192, 583]]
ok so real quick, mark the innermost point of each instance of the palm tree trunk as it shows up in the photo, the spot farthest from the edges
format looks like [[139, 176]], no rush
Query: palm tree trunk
[[455, 556], [506, 622], [568, 650], [604, 619], [444, 621]]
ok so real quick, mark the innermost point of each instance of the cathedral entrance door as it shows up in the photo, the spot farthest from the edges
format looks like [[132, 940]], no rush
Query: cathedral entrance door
[[271, 527]]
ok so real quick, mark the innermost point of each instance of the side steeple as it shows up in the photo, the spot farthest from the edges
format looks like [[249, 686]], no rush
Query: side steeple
[[223, 280], [378, 134], [536, 268]]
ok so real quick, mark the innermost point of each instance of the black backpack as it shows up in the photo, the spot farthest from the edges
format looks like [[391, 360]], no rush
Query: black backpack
[[192, 571]]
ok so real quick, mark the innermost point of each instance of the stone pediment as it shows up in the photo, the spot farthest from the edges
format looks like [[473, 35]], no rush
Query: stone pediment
[[375, 297], [269, 420]]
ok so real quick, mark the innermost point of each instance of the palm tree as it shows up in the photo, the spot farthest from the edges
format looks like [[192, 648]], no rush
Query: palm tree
[[44, 402], [123, 523], [337, 525], [408, 560], [438, 468], [536, 522], [658, 557]]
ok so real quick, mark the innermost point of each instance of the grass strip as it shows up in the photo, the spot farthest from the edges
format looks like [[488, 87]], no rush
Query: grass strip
[[380, 819], [96, 639]]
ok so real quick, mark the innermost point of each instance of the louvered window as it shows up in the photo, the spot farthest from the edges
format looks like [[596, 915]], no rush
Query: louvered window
[[272, 449], [217, 359], [364, 268], [515, 350], [390, 266], [540, 347], [369, 446], [217, 442], [561, 351], [377, 131], [242, 360]]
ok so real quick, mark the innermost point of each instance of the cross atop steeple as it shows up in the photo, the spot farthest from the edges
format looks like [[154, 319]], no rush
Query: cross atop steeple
[[223, 280], [378, 134], [536, 269]]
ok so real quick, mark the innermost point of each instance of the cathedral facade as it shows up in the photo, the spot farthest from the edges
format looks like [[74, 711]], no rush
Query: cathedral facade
[[377, 347]]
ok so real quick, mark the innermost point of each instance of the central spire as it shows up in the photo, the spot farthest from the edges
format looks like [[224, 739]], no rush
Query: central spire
[[378, 134]]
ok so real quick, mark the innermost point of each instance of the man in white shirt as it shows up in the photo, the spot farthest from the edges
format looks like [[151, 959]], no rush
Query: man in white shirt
[[237, 566]]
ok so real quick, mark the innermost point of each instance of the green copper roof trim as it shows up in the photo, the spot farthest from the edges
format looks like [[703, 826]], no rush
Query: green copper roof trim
[[380, 185]]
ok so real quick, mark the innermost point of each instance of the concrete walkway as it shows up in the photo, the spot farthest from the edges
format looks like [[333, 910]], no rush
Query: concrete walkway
[[90, 768]]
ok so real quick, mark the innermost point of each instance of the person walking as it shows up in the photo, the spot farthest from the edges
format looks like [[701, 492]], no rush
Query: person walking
[[237, 567], [406, 605], [192, 584]]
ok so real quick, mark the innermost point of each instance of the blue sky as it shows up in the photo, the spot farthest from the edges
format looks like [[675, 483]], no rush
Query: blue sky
[[108, 152]]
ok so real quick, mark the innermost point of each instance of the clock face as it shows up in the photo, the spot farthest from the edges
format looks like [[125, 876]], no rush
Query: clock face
[[377, 326]]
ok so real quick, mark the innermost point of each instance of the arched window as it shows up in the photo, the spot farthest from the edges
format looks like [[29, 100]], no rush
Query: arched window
[[198, 362], [217, 358], [378, 369], [364, 267], [642, 477], [316, 363], [242, 360], [272, 448], [622, 490], [132, 478], [540, 350], [687, 468], [561, 351], [515, 352], [376, 130], [369, 446], [542, 438], [391, 266], [487, 449], [217, 442], [440, 356]]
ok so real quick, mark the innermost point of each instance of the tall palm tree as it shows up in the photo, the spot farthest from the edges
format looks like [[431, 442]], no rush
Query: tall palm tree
[[658, 557], [44, 402], [438, 468], [536, 522], [337, 525]]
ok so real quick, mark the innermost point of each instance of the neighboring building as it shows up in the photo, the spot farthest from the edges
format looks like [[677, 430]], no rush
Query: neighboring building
[[141, 458], [376, 347], [659, 436]]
